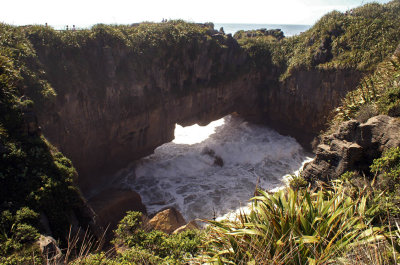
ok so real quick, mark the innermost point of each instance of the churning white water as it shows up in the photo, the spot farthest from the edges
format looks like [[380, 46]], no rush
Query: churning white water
[[209, 171]]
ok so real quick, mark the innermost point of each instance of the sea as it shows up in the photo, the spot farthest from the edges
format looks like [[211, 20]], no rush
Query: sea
[[208, 172], [288, 29]]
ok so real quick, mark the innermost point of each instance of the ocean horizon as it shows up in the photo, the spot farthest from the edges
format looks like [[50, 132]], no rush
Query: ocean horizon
[[288, 29]]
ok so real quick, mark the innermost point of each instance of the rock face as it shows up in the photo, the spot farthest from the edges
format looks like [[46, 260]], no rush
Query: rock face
[[300, 105], [167, 221], [353, 147]]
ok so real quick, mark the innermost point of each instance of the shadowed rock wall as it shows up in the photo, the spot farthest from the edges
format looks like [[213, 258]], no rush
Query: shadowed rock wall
[[300, 105]]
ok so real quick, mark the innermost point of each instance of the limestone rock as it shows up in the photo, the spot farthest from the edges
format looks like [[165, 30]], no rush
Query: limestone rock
[[49, 249], [189, 226], [167, 220], [300, 105], [112, 204], [353, 147], [123, 109]]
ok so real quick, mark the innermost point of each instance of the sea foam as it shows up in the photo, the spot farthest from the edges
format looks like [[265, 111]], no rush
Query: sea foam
[[207, 172]]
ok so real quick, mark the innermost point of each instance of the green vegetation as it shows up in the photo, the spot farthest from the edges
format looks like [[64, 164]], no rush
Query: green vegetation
[[377, 93], [386, 186], [348, 221], [358, 39], [137, 245], [34, 177], [17, 232], [167, 248], [268, 35], [141, 53], [292, 227]]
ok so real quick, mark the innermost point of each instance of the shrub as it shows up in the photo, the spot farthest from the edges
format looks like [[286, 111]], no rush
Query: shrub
[[291, 227], [17, 236], [357, 40], [140, 256], [388, 166], [129, 231], [387, 173], [297, 182], [154, 245], [377, 93]]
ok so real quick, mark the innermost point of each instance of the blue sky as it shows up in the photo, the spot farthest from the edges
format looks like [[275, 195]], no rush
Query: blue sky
[[88, 12]]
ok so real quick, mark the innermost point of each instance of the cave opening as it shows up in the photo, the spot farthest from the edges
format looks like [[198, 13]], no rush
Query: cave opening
[[195, 134]]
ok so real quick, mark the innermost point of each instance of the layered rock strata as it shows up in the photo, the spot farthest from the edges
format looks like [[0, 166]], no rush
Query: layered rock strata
[[353, 147], [301, 105]]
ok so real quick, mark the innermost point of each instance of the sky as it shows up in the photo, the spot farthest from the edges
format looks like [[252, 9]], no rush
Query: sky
[[83, 13]]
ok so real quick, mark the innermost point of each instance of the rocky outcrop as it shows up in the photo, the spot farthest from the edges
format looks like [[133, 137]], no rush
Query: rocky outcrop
[[353, 147], [167, 221]]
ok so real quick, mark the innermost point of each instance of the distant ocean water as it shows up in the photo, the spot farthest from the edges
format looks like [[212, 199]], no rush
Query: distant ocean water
[[288, 29]]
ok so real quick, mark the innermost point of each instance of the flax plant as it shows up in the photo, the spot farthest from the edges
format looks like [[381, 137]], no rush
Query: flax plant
[[292, 227]]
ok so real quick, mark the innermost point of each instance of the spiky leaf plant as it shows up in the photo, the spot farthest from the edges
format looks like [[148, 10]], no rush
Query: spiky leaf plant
[[292, 227]]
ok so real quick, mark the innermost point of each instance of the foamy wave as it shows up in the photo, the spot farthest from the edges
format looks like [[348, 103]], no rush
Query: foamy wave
[[219, 174]]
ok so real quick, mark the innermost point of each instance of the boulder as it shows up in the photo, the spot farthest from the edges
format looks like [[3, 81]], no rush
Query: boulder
[[167, 220], [111, 206], [218, 161], [189, 226]]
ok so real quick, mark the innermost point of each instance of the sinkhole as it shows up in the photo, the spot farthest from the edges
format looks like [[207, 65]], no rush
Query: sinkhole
[[209, 171]]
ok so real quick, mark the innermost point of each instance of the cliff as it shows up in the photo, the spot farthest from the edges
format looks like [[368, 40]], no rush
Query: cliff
[[116, 102], [301, 105], [121, 89], [302, 79], [365, 126], [37, 189]]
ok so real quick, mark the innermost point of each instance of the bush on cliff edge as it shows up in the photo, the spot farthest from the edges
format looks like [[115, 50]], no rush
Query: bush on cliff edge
[[35, 179]]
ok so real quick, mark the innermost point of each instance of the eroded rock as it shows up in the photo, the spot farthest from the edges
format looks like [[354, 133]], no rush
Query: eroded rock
[[353, 147]]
